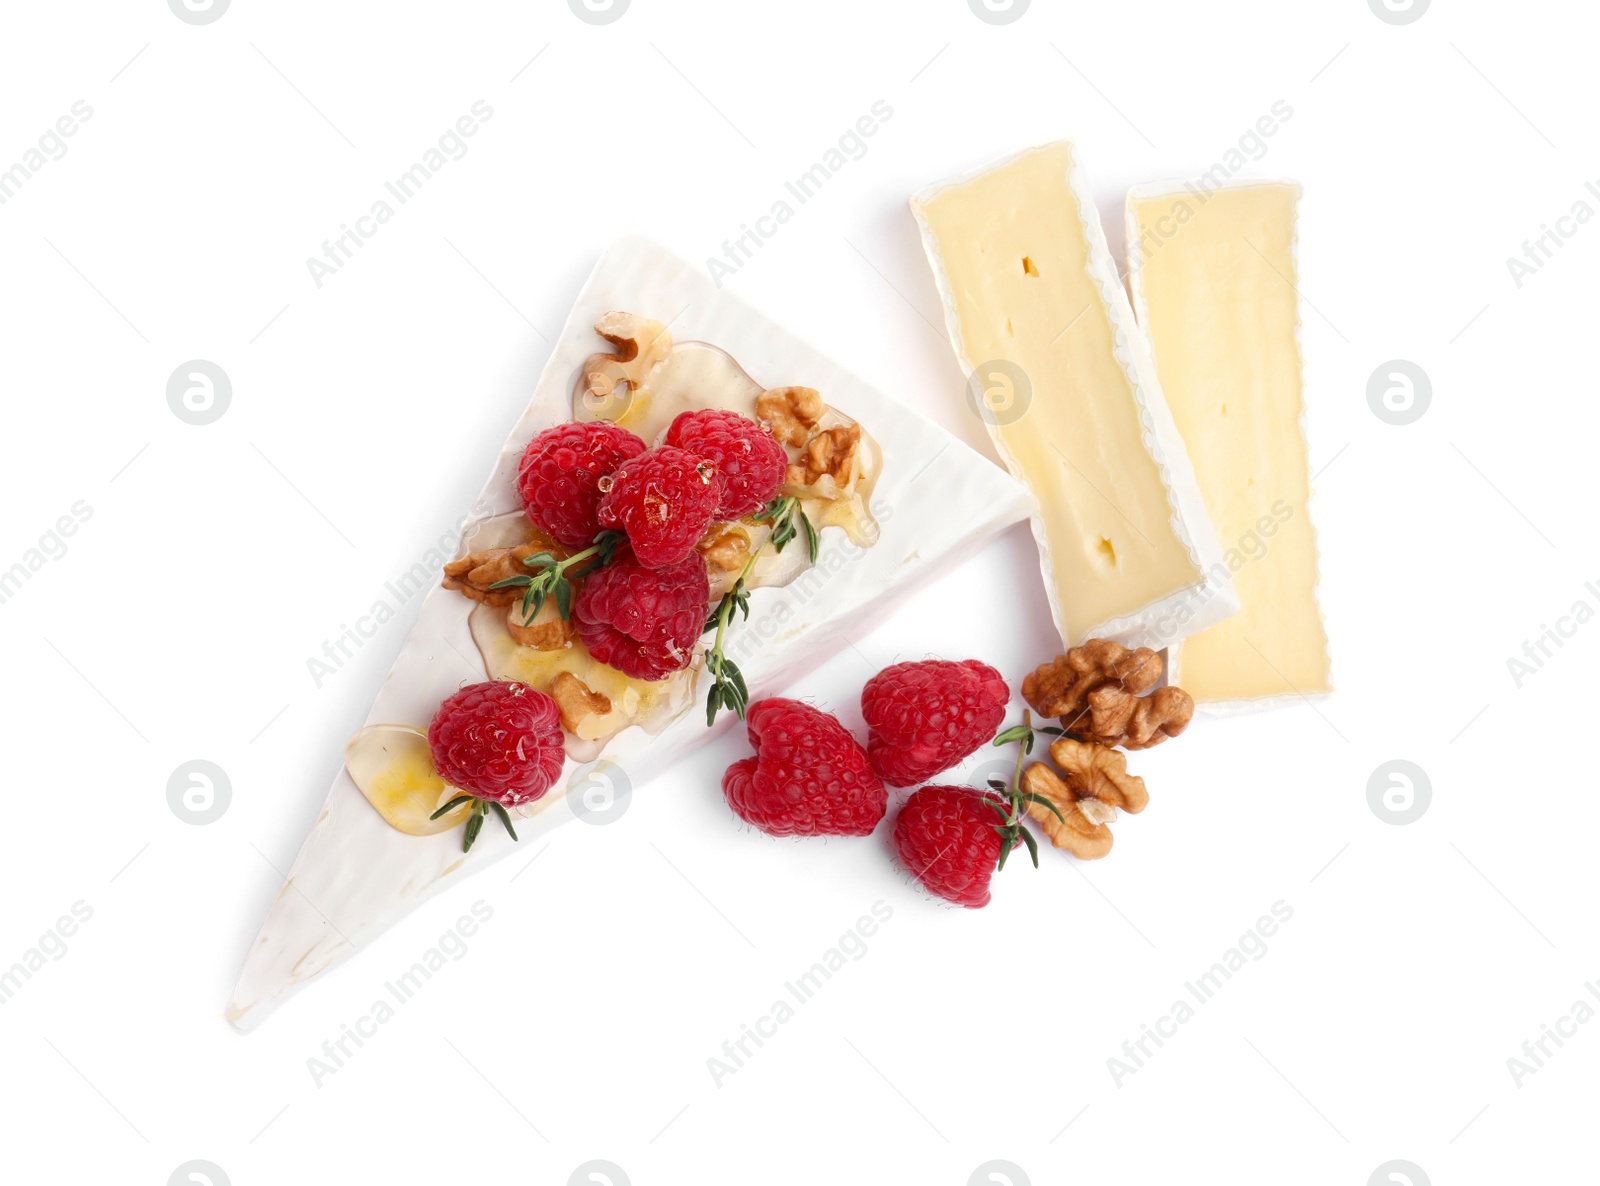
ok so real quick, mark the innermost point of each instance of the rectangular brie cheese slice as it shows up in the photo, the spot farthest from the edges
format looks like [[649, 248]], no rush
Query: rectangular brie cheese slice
[[938, 502], [1038, 318], [1214, 277]]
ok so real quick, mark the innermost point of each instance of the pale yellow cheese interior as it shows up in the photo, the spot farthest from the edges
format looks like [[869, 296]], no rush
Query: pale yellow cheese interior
[[1015, 258], [1220, 308]]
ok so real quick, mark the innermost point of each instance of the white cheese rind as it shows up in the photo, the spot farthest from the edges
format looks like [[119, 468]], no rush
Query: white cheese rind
[[1211, 599], [1135, 232], [937, 502]]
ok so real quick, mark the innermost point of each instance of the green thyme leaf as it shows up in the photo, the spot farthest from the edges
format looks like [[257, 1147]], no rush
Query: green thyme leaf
[[1033, 845], [1030, 797], [533, 602], [451, 806], [505, 818], [474, 826]]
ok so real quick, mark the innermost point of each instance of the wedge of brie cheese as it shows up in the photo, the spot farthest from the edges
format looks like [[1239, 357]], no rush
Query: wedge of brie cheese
[[1213, 276], [935, 503], [1060, 373]]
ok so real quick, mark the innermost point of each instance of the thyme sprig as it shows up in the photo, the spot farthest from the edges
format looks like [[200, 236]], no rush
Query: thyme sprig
[[480, 812], [550, 578], [1016, 803], [728, 689]]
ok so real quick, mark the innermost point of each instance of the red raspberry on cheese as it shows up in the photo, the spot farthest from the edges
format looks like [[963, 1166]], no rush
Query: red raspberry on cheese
[[559, 477], [664, 499], [644, 621], [499, 741], [748, 457]]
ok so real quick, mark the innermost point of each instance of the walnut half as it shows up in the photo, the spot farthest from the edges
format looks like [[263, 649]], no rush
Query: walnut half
[[1061, 687], [792, 412], [547, 630], [1097, 772], [1098, 691], [831, 453], [1137, 722], [726, 547], [474, 575], [641, 345], [1082, 828], [577, 701]]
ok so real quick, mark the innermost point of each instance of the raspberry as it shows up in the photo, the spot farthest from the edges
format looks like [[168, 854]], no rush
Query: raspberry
[[747, 456], [558, 478], [946, 836], [499, 741], [925, 717], [809, 776], [664, 499], [644, 621]]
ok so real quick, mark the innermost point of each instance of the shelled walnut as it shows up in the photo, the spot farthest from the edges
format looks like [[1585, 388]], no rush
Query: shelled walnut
[[547, 630], [474, 574], [1083, 825], [792, 412], [641, 344], [726, 547], [577, 701], [1116, 717], [1099, 692], [1099, 772], [830, 453]]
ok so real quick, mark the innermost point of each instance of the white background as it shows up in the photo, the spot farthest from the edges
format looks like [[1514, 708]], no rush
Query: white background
[[218, 559]]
